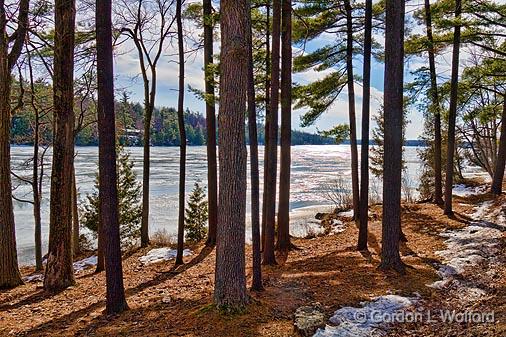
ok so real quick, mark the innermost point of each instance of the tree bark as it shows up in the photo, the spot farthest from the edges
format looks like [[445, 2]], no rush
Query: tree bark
[[267, 108], [366, 107], [393, 118], [75, 215], [500, 162], [35, 173], [182, 136], [351, 109], [256, 283], [212, 167], [9, 272], [108, 185], [271, 145], [230, 283], [283, 243], [452, 115], [145, 176], [59, 268], [438, 195]]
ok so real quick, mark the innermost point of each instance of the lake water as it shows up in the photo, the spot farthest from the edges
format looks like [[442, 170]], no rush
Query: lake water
[[313, 168]]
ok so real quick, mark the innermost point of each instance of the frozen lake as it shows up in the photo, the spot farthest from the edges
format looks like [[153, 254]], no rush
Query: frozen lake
[[313, 167]]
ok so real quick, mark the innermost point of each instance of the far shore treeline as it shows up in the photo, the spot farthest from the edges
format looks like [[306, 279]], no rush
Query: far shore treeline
[[165, 130]]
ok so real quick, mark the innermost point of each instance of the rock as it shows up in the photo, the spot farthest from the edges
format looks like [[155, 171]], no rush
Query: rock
[[308, 319], [319, 216]]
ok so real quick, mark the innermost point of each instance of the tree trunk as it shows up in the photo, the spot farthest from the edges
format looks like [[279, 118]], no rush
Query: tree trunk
[[366, 107], [108, 184], [272, 142], [267, 108], [75, 215], [256, 283], [452, 115], [438, 196], [182, 136], [212, 167], [351, 109], [35, 175], [145, 180], [393, 118], [9, 272], [100, 248], [59, 268], [500, 162], [230, 284], [283, 243]]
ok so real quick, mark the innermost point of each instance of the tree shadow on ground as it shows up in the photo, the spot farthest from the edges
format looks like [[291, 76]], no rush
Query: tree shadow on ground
[[53, 325]]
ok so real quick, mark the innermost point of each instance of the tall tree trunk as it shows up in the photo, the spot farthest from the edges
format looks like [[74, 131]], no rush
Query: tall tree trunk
[[393, 118], [212, 167], [438, 195], [100, 248], [452, 115], [500, 162], [366, 107], [283, 242], [351, 109], [145, 177], [230, 283], [108, 179], [35, 174], [256, 283], [272, 142], [182, 136], [9, 272], [59, 268], [75, 215], [267, 108]]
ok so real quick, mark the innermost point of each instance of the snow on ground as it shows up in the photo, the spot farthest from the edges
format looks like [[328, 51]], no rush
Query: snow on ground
[[161, 254], [33, 278], [346, 214], [462, 190], [371, 319], [467, 248], [78, 267], [337, 227], [85, 263], [310, 228]]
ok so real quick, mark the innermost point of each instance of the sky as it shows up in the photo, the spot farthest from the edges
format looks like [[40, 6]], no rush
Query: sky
[[128, 79]]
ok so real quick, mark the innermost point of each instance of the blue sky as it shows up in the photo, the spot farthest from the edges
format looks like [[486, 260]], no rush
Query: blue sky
[[127, 71]]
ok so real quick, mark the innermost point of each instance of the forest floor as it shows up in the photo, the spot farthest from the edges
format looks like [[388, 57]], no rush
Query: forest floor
[[165, 301]]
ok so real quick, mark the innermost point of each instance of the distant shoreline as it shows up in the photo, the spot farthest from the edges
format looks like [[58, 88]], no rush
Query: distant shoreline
[[410, 143]]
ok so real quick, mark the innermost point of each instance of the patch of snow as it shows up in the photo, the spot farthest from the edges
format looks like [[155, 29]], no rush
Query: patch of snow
[[346, 214], [85, 263], [462, 190], [467, 248], [161, 254], [78, 267], [310, 227], [368, 320], [33, 278], [337, 227]]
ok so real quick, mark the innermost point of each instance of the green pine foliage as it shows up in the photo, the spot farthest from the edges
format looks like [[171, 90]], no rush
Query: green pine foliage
[[130, 207], [196, 215], [377, 150]]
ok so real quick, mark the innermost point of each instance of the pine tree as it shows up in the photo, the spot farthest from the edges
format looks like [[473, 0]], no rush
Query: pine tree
[[196, 215], [378, 134], [129, 197]]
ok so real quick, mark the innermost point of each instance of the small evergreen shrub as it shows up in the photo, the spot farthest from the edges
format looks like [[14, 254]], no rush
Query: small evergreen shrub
[[130, 206], [196, 215]]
